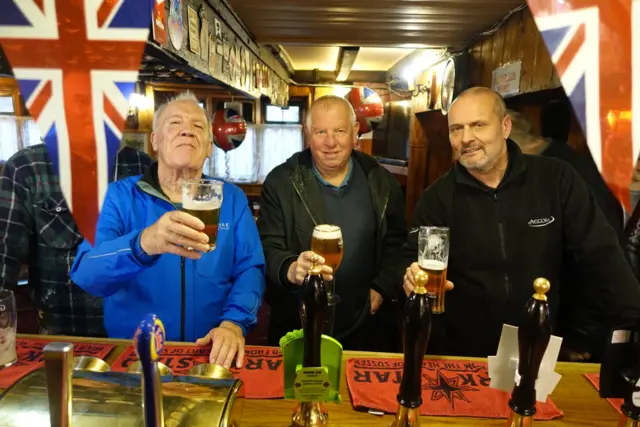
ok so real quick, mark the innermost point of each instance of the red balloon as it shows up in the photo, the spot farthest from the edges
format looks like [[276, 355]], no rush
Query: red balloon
[[229, 129], [368, 107]]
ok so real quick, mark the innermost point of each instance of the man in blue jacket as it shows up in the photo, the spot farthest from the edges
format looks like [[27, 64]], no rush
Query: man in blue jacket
[[151, 257]]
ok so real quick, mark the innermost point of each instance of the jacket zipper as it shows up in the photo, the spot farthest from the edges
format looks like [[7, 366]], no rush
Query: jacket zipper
[[305, 204], [183, 292], [503, 248]]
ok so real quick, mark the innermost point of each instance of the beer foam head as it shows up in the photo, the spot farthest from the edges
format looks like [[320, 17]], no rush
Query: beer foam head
[[431, 264], [326, 231], [201, 205]]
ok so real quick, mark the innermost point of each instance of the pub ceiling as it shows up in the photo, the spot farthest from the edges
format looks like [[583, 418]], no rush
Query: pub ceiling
[[378, 33]]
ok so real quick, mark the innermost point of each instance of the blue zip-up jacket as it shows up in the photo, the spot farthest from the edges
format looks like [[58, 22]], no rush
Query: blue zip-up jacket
[[225, 284]]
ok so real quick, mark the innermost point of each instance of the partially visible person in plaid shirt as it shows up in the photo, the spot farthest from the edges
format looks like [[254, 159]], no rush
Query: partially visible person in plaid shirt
[[36, 227]]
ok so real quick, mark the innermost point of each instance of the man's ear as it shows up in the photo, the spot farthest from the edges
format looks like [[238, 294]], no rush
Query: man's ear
[[154, 141], [506, 126]]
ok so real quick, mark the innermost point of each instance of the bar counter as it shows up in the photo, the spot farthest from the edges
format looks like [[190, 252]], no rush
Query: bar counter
[[574, 395]]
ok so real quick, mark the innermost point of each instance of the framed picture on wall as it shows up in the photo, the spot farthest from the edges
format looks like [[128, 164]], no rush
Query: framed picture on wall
[[137, 140]]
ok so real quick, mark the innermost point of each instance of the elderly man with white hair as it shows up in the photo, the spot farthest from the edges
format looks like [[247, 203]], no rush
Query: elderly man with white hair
[[152, 257], [331, 183]]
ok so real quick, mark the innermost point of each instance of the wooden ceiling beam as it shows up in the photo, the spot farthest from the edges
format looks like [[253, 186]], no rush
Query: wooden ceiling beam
[[288, 18], [329, 77], [470, 8], [346, 58]]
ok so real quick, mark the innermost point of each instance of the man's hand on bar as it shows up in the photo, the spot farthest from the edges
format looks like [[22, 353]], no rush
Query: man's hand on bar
[[228, 342], [410, 283]]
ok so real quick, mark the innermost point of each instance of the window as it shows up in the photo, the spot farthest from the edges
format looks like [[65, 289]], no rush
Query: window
[[282, 115], [6, 105]]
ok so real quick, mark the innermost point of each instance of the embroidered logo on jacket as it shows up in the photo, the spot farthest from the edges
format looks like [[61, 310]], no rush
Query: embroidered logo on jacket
[[540, 222]]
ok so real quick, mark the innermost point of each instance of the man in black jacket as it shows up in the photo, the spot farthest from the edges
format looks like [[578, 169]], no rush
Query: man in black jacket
[[512, 217], [330, 183]]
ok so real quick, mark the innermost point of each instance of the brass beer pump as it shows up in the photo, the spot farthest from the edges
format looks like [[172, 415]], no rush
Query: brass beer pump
[[534, 334], [314, 306], [416, 332]]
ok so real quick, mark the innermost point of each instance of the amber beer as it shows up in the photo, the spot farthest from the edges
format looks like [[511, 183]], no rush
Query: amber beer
[[209, 214], [326, 241], [433, 259], [437, 272], [202, 198]]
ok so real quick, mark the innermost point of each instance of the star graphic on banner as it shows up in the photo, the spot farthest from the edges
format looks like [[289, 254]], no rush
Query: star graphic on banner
[[447, 388]]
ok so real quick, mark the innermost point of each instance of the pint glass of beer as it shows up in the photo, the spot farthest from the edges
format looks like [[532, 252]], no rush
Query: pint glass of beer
[[433, 258], [202, 198], [326, 241], [8, 328]]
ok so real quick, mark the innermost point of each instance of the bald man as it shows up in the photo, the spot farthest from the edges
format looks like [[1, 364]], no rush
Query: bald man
[[512, 218]]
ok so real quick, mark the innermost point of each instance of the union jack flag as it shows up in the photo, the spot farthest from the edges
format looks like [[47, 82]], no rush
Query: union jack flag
[[77, 62], [595, 47]]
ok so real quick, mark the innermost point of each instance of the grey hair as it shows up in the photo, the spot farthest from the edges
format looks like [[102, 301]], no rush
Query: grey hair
[[183, 96], [332, 98], [522, 130]]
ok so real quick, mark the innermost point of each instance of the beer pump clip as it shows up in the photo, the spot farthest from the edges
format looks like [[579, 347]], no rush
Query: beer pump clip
[[527, 356], [620, 372], [148, 342], [311, 361]]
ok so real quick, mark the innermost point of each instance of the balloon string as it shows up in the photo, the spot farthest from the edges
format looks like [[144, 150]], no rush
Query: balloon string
[[226, 162]]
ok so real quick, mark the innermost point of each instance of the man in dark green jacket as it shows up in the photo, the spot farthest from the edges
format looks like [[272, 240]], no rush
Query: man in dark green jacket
[[330, 183]]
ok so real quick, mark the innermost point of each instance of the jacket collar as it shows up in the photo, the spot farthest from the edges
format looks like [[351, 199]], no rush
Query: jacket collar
[[150, 184], [310, 191], [516, 166]]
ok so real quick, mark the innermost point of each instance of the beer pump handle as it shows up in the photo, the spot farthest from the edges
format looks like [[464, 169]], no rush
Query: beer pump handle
[[58, 366], [149, 340], [534, 334], [416, 332], [313, 313]]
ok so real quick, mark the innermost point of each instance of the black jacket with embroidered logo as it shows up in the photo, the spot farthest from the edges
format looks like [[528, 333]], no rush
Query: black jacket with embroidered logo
[[503, 239]]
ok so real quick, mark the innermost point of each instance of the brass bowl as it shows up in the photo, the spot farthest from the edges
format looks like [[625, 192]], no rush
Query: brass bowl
[[90, 363], [211, 370], [136, 368]]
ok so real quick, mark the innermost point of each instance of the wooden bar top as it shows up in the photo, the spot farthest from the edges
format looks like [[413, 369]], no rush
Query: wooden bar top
[[574, 395]]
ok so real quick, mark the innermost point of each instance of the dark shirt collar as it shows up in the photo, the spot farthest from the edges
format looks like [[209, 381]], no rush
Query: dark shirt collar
[[345, 182]]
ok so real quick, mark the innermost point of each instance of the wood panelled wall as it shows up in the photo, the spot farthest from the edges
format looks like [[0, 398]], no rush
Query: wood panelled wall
[[518, 39]]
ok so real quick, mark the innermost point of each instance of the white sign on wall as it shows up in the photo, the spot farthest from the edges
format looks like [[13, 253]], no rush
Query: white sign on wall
[[506, 79]]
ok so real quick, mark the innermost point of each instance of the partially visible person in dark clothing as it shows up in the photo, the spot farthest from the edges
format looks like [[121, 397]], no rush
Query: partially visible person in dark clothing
[[580, 319], [555, 120], [40, 231]]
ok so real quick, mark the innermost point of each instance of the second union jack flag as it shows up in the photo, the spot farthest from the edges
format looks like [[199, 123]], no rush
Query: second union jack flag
[[77, 62], [595, 47]]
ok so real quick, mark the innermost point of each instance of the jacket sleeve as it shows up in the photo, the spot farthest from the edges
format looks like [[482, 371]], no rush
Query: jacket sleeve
[[245, 296], [16, 222], [597, 249], [396, 235], [117, 256], [271, 226]]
